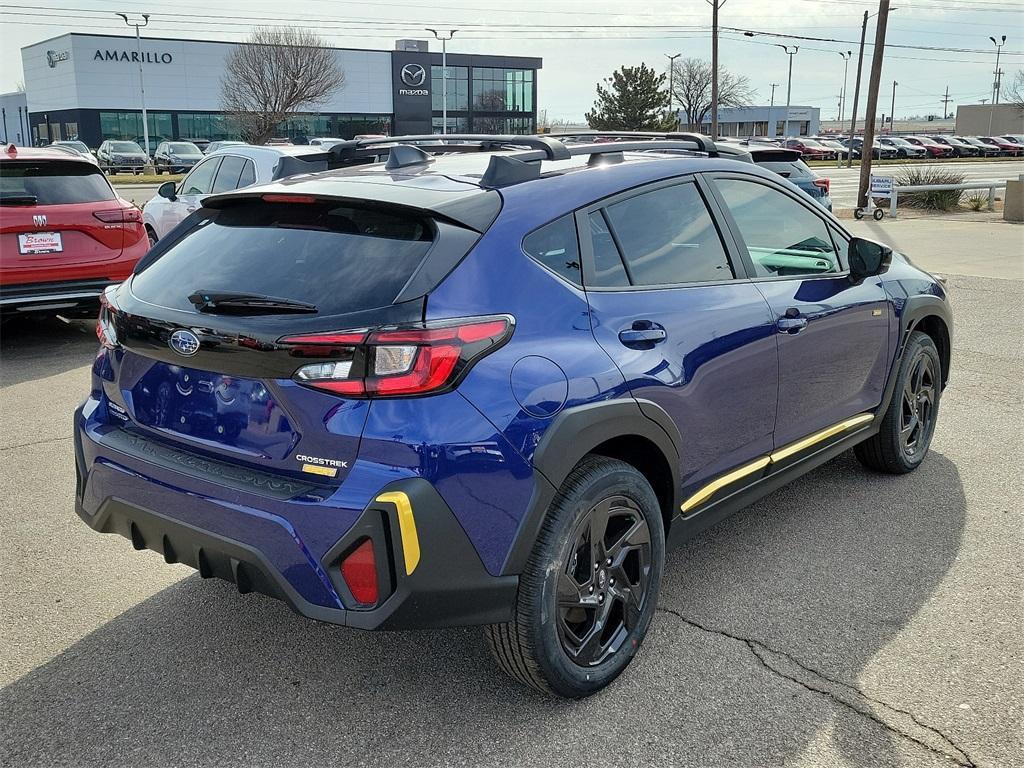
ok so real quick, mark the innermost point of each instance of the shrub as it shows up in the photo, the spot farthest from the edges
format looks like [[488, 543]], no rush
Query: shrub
[[977, 200], [938, 200]]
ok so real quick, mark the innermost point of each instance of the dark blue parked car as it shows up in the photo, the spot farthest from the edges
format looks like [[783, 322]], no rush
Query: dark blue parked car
[[489, 381]]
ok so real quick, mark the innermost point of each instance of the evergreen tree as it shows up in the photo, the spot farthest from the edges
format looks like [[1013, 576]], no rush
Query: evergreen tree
[[632, 99]]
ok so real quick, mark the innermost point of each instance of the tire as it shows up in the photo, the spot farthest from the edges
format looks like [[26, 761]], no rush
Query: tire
[[858, 213], [900, 446], [878, 213], [574, 628]]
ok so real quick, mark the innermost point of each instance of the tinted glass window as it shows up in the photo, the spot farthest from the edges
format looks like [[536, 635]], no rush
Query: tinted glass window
[[555, 246], [200, 180], [125, 146], [797, 169], [608, 271], [667, 236], [339, 257], [227, 176], [782, 236], [52, 182], [248, 174], [184, 148]]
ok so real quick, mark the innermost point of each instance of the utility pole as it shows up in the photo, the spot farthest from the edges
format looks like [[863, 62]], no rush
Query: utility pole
[[771, 122], [842, 94], [892, 109], [856, 90], [444, 73], [997, 82], [869, 118], [715, 5], [671, 84], [789, 83], [945, 104]]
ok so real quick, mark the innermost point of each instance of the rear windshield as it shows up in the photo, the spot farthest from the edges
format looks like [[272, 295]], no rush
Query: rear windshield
[[51, 182], [791, 170], [78, 146], [338, 256]]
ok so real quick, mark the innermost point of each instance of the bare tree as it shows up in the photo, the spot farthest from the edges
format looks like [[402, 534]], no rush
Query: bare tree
[[276, 73], [692, 90], [1015, 93]]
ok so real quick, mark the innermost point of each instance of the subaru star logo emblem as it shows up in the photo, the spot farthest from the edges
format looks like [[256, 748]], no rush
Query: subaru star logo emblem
[[39, 220], [184, 343], [413, 75]]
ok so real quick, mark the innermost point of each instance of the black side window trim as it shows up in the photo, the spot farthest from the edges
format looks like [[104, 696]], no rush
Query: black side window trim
[[739, 268], [828, 220]]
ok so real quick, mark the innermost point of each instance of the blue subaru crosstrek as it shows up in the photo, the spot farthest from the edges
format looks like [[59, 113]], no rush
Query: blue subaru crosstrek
[[490, 380]]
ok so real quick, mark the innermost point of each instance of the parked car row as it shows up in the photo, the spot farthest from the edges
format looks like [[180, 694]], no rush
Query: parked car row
[[902, 147]]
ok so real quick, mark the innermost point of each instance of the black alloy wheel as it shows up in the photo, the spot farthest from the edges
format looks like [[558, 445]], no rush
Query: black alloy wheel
[[603, 584], [918, 408]]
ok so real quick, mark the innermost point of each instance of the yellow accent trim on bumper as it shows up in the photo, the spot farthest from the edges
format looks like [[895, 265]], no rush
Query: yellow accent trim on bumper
[[723, 481], [817, 437], [407, 525], [783, 453], [315, 469]]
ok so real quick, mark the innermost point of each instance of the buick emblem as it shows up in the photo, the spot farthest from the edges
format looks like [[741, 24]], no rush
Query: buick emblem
[[39, 220], [184, 343], [413, 75]]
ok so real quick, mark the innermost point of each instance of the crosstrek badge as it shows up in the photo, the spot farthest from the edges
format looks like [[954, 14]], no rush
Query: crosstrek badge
[[316, 465]]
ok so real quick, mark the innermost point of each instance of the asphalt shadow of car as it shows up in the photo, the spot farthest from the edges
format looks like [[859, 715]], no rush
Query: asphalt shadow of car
[[828, 569], [35, 346]]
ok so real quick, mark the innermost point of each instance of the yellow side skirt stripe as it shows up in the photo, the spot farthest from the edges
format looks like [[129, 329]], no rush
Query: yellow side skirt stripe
[[783, 453], [407, 526]]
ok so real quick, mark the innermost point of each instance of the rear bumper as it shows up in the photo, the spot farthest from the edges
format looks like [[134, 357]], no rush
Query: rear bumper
[[259, 549], [30, 297]]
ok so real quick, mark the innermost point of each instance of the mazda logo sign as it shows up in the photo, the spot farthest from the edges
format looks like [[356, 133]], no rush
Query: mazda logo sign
[[184, 343], [414, 75]]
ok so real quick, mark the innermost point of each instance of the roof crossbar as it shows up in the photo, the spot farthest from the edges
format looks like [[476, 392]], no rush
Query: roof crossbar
[[366, 150], [701, 142]]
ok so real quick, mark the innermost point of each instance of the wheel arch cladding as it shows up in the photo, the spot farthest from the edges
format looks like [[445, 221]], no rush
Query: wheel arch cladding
[[936, 328], [639, 433], [930, 315]]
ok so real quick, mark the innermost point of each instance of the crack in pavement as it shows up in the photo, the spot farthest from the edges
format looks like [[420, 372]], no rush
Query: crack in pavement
[[844, 694], [37, 442]]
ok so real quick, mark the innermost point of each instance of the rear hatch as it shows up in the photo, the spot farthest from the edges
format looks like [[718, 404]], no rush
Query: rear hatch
[[202, 321], [55, 214]]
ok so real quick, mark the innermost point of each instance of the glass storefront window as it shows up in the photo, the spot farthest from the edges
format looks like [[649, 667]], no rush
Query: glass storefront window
[[458, 88], [497, 89], [128, 125]]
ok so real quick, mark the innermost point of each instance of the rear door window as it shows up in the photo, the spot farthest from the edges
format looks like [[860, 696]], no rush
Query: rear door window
[[340, 257], [228, 173], [667, 237], [248, 175], [51, 182]]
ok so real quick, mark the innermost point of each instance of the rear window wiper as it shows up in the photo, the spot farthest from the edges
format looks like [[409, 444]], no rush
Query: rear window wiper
[[227, 302], [18, 199]]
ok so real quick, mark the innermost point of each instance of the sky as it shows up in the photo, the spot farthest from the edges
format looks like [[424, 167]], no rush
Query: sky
[[942, 43]]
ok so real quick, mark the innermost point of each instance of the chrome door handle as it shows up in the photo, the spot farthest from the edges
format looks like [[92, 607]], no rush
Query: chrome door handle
[[791, 325]]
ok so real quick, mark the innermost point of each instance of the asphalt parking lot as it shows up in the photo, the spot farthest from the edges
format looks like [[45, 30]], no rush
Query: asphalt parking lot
[[850, 619]]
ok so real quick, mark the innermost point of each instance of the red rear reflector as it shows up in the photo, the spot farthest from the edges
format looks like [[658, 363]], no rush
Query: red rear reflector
[[289, 199], [823, 183], [359, 570], [345, 339]]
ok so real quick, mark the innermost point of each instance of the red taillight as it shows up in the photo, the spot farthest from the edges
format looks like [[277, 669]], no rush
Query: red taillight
[[824, 183], [119, 216], [396, 361], [288, 198], [105, 332], [359, 570]]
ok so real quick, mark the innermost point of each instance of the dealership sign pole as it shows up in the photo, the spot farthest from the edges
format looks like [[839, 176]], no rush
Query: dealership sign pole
[[142, 84]]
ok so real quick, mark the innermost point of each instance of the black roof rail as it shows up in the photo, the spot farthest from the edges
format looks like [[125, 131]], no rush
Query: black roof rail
[[702, 143], [358, 151]]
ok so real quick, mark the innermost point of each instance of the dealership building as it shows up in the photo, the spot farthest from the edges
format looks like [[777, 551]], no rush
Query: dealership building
[[86, 87]]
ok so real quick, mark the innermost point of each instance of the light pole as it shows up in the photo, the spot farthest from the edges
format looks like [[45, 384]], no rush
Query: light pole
[[771, 106], [842, 98], [440, 35], [789, 84], [856, 89], [142, 83], [892, 109], [671, 83], [996, 83]]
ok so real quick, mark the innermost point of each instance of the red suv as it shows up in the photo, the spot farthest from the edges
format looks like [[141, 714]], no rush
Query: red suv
[[810, 149], [934, 148], [1004, 145], [64, 233]]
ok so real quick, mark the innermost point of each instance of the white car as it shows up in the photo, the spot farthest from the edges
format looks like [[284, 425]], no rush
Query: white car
[[228, 168], [77, 148]]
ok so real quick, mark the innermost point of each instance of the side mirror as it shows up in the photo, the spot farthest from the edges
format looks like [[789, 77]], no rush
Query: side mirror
[[167, 190], [867, 258]]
